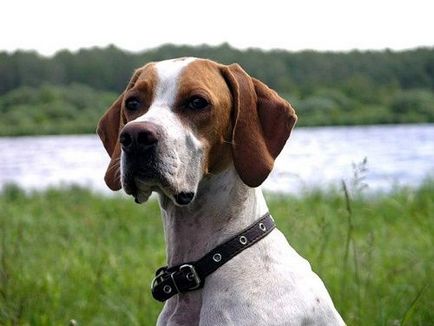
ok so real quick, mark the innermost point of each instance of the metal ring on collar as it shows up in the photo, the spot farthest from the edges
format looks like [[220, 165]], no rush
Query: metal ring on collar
[[217, 257]]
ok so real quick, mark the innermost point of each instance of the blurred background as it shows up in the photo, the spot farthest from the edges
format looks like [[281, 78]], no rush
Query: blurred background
[[359, 165]]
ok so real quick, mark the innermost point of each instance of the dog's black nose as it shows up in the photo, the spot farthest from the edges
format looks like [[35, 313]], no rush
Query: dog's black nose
[[139, 136]]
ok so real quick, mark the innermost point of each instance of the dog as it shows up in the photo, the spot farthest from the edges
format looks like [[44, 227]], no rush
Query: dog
[[204, 136]]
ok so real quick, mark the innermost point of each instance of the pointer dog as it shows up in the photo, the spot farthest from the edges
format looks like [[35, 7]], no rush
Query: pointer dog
[[204, 136]]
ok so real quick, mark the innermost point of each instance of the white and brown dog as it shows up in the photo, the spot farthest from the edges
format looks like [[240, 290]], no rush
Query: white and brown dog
[[204, 136]]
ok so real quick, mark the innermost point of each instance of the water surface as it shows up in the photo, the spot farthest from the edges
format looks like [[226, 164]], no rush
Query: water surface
[[397, 154]]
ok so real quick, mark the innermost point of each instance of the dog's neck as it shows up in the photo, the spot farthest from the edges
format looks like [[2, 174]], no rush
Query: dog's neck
[[223, 207]]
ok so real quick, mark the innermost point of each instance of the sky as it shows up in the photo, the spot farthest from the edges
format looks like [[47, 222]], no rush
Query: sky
[[48, 26]]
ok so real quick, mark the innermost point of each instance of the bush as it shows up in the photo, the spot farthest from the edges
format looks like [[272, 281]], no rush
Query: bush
[[412, 103], [52, 110]]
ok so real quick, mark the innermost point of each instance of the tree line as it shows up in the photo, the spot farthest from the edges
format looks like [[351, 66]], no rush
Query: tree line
[[326, 87]]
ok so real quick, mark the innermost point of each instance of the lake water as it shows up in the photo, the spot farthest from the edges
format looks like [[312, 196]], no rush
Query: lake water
[[313, 157]]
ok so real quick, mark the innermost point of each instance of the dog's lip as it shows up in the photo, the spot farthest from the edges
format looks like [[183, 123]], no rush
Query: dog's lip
[[141, 185], [138, 189], [149, 182], [180, 198], [136, 184], [136, 179], [140, 181]]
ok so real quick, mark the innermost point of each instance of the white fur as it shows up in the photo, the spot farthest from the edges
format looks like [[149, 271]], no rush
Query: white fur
[[267, 284], [168, 74]]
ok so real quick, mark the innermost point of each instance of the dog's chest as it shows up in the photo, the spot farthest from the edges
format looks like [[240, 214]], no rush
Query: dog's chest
[[267, 284]]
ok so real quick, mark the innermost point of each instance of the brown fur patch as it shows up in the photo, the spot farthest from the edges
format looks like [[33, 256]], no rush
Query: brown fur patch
[[263, 123], [143, 83], [213, 124], [142, 88]]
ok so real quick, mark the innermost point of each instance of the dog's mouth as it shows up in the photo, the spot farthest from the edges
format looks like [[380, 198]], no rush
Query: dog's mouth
[[140, 185], [140, 177], [167, 175], [136, 188]]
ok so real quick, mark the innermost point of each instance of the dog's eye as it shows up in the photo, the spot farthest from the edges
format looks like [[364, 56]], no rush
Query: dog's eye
[[132, 104], [197, 103]]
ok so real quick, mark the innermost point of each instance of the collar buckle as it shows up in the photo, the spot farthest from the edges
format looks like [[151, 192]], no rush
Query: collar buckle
[[190, 276], [168, 282]]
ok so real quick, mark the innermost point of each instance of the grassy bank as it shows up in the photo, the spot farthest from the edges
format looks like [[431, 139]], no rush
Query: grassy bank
[[70, 254]]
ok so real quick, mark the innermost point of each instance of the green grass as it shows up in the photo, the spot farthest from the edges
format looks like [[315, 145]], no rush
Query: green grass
[[71, 254]]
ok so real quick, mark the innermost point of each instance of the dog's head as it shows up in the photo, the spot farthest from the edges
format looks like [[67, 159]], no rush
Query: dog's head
[[179, 120]]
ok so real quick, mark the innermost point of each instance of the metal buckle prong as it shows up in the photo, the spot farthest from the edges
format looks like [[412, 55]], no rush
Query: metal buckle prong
[[174, 282], [193, 274]]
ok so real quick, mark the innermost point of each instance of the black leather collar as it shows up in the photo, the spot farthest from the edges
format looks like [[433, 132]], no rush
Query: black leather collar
[[191, 276]]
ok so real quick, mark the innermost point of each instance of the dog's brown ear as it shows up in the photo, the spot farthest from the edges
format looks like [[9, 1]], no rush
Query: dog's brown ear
[[109, 124], [262, 123], [109, 127], [108, 131]]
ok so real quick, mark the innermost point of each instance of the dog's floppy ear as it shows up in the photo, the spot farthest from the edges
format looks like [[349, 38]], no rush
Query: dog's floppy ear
[[262, 123], [108, 131]]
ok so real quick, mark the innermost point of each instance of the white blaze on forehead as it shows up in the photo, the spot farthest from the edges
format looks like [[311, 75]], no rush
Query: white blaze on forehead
[[168, 73]]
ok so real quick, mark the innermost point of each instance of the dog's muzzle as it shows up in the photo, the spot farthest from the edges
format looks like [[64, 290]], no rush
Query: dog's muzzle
[[139, 141], [142, 165]]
